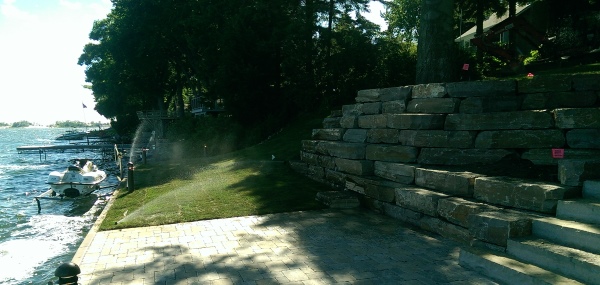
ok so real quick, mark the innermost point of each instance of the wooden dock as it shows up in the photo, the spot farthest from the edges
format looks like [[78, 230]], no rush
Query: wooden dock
[[105, 149], [69, 147]]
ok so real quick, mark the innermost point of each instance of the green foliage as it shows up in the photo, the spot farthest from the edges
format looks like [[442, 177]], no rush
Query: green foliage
[[267, 60], [534, 55], [21, 124], [2, 124], [70, 124]]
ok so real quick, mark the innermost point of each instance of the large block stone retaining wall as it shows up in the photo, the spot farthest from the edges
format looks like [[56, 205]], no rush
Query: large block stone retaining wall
[[414, 152]]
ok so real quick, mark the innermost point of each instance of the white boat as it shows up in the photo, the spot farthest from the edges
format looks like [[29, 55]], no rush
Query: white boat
[[80, 178]]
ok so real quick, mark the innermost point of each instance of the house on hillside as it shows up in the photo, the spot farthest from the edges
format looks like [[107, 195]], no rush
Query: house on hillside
[[530, 25], [537, 26]]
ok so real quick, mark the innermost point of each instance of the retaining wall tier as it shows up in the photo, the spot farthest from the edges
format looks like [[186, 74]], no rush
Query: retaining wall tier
[[474, 161]]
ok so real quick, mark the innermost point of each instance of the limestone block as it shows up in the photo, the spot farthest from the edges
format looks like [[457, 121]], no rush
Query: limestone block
[[393, 107], [475, 105], [355, 187], [349, 122], [450, 182], [419, 200], [380, 192], [577, 118], [454, 156], [391, 153], [437, 138], [400, 213], [584, 138], [445, 229], [457, 210], [384, 94], [338, 199], [416, 121], [316, 172], [553, 100], [318, 160], [575, 172], [371, 108], [432, 90], [352, 110], [382, 135], [500, 121], [328, 134], [300, 167], [336, 113], [544, 156], [539, 84], [313, 146], [373, 187], [467, 89], [356, 167], [521, 194], [335, 178], [498, 226], [398, 172], [332, 122], [345, 150], [355, 135], [433, 105], [520, 139], [372, 121], [582, 82]]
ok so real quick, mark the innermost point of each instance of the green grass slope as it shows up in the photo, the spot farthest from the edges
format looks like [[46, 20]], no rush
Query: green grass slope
[[246, 182]]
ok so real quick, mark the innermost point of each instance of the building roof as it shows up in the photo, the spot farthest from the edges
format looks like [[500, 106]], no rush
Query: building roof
[[490, 22]]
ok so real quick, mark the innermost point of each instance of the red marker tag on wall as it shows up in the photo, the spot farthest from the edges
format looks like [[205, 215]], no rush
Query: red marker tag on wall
[[466, 66], [558, 153]]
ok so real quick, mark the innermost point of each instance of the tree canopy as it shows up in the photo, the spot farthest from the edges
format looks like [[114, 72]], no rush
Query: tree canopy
[[264, 60]]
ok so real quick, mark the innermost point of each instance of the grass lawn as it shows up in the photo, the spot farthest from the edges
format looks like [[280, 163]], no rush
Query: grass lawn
[[246, 182]]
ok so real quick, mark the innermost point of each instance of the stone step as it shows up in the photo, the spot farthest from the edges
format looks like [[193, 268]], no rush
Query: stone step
[[566, 261], [504, 269], [582, 210], [591, 189], [338, 199], [568, 233]]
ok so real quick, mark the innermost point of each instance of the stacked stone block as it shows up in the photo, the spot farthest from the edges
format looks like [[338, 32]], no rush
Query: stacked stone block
[[394, 147]]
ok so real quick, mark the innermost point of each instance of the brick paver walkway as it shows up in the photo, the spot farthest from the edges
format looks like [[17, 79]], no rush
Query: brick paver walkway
[[313, 247]]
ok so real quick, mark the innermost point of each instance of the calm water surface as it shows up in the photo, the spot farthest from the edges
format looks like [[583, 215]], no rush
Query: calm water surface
[[32, 244]]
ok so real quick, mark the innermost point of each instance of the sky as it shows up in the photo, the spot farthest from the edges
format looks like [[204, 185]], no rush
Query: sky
[[40, 43]]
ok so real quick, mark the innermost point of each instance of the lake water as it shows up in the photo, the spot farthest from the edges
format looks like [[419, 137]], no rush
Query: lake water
[[32, 244]]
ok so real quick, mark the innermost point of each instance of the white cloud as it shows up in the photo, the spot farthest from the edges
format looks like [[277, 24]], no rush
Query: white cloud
[[70, 5], [10, 11]]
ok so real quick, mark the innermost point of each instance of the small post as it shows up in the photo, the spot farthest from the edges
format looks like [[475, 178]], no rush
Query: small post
[[67, 273], [130, 176], [39, 205], [144, 155]]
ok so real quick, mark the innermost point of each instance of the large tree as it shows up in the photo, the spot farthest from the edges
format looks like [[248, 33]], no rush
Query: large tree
[[436, 42]]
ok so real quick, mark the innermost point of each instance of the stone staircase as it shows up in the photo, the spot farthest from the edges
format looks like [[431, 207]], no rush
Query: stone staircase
[[561, 250]]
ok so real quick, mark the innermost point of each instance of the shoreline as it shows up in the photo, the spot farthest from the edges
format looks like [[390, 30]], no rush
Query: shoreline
[[89, 237]]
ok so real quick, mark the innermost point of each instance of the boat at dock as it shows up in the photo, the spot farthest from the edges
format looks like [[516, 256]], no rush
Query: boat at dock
[[82, 177], [72, 135]]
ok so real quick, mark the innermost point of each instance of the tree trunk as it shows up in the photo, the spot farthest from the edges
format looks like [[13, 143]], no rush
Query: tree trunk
[[512, 36], [479, 30], [436, 42]]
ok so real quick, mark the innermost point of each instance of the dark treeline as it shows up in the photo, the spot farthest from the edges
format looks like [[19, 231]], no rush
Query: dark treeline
[[264, 60]]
